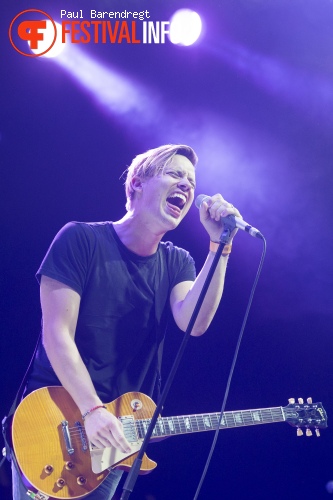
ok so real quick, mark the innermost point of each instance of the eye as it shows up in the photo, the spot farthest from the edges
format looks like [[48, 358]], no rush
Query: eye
[[177, 174], [173, 173]]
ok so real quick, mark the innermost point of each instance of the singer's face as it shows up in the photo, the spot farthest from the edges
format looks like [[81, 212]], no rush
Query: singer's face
[[167, 197]]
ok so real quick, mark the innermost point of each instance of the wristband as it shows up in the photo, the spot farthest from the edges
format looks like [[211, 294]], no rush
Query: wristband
[[213, 246], [91, 410]]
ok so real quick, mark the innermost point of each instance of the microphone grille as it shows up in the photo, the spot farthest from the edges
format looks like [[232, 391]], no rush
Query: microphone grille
[[200, 198]]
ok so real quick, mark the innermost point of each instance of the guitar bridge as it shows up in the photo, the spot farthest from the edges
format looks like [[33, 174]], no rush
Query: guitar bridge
[[67, 437]]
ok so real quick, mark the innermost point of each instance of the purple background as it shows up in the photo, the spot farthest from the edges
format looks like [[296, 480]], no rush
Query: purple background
[[255, 100]]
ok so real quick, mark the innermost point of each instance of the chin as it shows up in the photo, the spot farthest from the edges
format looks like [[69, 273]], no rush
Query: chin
[[171, 223]]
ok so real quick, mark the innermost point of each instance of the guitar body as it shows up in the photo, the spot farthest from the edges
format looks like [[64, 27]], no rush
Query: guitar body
[[60, 468]]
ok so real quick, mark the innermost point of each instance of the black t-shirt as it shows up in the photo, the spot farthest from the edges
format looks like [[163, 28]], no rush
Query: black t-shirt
[[124, 304]]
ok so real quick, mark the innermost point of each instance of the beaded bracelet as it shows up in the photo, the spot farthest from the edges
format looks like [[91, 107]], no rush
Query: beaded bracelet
[[213, 246], [92, 409]]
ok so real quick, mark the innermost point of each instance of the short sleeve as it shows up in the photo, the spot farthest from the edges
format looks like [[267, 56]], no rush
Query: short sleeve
[[180, 264], [67, 259]]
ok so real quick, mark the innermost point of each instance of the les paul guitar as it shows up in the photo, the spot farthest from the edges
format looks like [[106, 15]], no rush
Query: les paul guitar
[[55, 457]]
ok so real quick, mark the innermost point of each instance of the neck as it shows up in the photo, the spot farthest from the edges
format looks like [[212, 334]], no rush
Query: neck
[[137, 235]]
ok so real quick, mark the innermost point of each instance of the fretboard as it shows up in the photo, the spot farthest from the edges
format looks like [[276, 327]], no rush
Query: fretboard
[[186, 424]]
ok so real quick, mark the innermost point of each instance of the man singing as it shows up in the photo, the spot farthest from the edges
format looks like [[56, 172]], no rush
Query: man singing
[[107, 289]]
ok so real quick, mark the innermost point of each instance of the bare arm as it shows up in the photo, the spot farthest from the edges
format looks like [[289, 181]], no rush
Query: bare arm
[[184, 296], [60, 308]]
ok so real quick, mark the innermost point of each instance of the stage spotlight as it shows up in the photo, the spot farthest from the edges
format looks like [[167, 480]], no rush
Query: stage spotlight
[[117, 94], [48, 37], [185, 27]]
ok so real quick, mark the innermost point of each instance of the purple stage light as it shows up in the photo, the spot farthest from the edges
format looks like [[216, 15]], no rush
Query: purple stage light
[[114, 92], [185, 27], [307, 92]]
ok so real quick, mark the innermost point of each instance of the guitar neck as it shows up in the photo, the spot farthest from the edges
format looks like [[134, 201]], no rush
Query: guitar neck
[[187, 424]]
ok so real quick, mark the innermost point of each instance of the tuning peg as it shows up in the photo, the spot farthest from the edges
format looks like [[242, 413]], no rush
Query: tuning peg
[[309, 401], [291, 400], [308, 432], [317, 431], [299, 432], [301, 401]]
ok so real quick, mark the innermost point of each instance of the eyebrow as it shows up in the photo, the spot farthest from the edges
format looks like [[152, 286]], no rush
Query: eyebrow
[[182, 173]]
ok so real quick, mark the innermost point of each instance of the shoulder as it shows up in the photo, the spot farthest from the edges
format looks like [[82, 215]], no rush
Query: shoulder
[[83, 230], [80, 238], [179, 264], [175, 253]]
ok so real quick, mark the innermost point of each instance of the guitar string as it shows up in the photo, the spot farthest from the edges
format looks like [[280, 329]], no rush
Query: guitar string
[[267, 413], [198, 424], [205, 421], [244, 414]]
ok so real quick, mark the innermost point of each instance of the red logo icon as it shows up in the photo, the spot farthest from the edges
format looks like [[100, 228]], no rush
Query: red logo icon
[[31, 31]]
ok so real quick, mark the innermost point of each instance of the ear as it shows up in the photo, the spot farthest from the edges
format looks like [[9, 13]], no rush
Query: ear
[[136, 184]]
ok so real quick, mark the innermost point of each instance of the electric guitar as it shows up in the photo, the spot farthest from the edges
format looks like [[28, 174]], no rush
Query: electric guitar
[[57, 460]]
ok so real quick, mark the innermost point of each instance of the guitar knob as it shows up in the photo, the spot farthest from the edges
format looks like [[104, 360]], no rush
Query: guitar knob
[[308, 432], [317, 431], [81, 480], [69, 465], [309, 401], [61, 482], [48, 469], [299, 432], [301, 401], [291, 401]]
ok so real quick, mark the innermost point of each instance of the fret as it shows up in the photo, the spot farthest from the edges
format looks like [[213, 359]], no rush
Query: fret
[[157, 429], [195, 425], [178, 425], [186, 424], [214, 419], [170, 424], [207, 422], [182, 424], [238, 418]]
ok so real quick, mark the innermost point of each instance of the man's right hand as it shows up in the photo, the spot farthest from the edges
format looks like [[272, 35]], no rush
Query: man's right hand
[[103, 429]]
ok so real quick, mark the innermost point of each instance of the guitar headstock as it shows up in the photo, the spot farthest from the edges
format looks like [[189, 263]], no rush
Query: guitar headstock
[[308, 415]]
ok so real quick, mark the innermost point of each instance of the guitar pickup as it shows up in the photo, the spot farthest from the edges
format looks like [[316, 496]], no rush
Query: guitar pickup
[[129, 428]]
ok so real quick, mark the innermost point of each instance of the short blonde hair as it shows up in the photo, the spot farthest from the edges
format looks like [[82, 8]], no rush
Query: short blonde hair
[[152, 162]]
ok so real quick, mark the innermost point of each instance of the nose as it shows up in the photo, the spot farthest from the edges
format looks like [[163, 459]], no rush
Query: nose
[[184, 184]]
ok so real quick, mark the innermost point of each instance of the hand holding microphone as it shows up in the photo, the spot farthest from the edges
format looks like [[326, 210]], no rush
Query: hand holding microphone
[[219, 210]]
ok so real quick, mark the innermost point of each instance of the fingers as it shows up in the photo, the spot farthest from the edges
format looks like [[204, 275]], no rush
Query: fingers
[[217, 207], [213, 213], [105, 430], [118, 439]]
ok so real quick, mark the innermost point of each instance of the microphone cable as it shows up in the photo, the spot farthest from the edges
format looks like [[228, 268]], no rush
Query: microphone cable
[[232, 368]]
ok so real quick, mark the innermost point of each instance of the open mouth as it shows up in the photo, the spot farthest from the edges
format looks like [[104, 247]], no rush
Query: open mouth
[[177, 200]]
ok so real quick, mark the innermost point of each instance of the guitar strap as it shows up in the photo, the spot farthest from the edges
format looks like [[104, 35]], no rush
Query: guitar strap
[[6, 421], [162, 291]]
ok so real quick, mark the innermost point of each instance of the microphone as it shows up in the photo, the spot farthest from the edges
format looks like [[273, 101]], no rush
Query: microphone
[[238, 221]]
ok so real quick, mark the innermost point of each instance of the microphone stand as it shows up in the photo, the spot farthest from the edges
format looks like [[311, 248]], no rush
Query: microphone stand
[[229, 225]]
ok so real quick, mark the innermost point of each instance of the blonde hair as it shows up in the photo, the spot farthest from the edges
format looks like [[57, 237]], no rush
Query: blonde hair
[[152, 162]]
